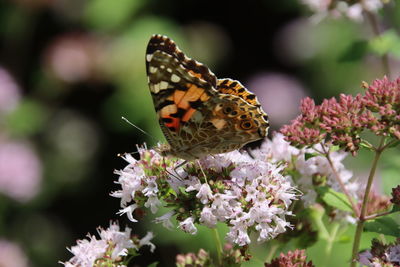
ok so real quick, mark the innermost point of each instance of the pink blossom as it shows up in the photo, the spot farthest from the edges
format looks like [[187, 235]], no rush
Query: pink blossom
[[20, 170], [11, 255]]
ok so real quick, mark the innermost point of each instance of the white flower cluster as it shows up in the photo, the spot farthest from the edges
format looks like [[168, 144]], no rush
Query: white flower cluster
[[112, 241], [338, 8], [278, 149], [251, 194]]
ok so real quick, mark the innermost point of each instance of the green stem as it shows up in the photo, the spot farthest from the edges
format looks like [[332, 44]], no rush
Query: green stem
[[218, 244], [377, 215], [340, 182], [362, 219]]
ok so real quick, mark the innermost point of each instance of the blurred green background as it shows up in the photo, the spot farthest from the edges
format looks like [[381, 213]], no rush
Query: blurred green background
[[69, 69]]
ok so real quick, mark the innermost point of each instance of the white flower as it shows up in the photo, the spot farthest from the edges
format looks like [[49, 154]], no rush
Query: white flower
[[204, 193], [165, 220], [151, 189], [131, 181], [238, 190], [208, 218], [238, 235], [145, 241], [277, 149], [129, 212], [188, 226], [222, 207], [87, 251], [153, 203], [122, 240], [192, 184]]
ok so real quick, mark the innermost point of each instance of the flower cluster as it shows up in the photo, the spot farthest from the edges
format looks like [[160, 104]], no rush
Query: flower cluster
[[109, 250], [340, 122], [380, 254], [245, 193], [338, 8], [307, 173], [295, 258]]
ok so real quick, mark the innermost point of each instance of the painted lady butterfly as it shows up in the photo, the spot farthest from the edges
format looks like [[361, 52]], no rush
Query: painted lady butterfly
[[198, 113]]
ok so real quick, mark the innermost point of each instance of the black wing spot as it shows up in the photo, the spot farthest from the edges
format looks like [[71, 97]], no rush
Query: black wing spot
[[166, 120], [224, 83], [179, 113], [251, 97], [241, 90], [196, 104], [233, 84], [164, 104]]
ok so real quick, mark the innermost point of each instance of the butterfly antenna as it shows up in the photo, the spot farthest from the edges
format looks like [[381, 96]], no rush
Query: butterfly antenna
[[141, 130]]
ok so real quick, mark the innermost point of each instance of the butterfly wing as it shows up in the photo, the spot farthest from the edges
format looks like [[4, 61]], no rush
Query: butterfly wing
[[195, 116]]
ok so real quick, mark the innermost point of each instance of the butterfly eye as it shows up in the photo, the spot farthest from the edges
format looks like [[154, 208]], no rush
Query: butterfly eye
[[246, 125]]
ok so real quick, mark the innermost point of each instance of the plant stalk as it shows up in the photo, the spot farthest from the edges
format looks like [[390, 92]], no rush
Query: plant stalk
[[362, 218], [340, 182], [218, 245]]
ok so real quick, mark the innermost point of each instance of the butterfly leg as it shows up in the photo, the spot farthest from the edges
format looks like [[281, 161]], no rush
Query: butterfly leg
[[176, 174]]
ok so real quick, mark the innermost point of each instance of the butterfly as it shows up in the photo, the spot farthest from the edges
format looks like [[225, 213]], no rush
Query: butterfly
[[199, 114]]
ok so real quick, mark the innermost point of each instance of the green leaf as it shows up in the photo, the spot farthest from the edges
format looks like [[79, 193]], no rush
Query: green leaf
[[334, 198], [308, 156], [384, 225], [154, 264], [355, 52], [387, 42]]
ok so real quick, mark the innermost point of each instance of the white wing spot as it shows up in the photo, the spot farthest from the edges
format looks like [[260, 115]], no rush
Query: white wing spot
[[175, 78], [169, 70], [149, 57], [162, 67], [163, 85], [153, 69], [155, 88]]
